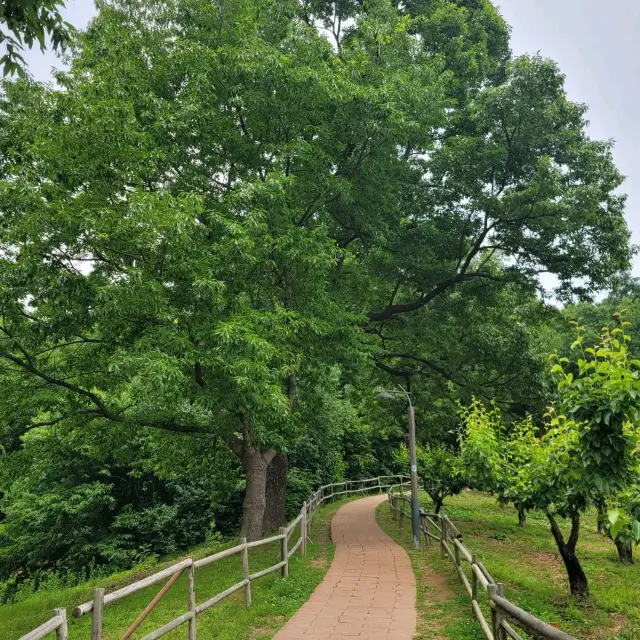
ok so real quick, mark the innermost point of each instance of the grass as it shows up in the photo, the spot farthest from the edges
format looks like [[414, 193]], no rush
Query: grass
[[274, 600], [527, 561]]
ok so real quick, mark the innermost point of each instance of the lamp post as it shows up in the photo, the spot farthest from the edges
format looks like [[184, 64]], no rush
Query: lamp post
[[415, 512]]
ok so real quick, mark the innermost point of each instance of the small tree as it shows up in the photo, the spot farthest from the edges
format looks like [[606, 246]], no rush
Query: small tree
[[589, 450], [602, 394], [541, 480], [496, 460], [439, 471]]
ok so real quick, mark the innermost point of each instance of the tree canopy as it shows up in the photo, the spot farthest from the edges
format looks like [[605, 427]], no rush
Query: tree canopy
[[229, 223]]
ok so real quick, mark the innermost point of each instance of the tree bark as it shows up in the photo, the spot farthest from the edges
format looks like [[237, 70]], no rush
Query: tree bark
[[625, 551], [255, 471], [522, 517], [437, 503], [254, 464], [275, 515], [577, 578], [601, 506]]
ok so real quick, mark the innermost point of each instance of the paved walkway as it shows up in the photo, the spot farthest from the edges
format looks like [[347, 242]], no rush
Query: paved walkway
[[369, 591]]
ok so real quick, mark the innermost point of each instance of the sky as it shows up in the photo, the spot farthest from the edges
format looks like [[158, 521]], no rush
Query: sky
[[595, 44], [597, 47]]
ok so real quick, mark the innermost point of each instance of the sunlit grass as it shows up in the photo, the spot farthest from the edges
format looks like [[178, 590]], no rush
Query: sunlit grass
[[527, 561]]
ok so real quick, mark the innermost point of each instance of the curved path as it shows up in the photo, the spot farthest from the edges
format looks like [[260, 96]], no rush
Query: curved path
[[369, 591]]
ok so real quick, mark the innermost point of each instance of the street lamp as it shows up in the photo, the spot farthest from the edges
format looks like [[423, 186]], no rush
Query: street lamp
[[415, 512]]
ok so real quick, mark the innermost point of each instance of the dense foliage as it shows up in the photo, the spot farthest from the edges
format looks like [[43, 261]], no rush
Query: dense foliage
[[228, 224], [588, 447], [500, 460]]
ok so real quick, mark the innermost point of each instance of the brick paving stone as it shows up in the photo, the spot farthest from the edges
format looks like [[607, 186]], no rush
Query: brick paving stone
[[368, 593]]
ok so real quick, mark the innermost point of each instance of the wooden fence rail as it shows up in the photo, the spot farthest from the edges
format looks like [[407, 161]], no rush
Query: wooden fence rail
[[58, 624], [171, 574], [503, 613]]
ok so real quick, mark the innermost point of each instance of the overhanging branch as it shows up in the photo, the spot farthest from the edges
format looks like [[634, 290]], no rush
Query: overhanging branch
[[101, 408]]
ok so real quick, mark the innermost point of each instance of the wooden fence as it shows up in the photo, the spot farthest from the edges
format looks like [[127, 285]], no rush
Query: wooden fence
[[504, 615], [301, 523], [58, 624]]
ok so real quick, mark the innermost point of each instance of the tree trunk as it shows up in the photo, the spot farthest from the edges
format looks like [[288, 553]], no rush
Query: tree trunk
[[275, 515], [522, 517], [625, 551], [255, 471], [254, 465], [577, 578], [437, 503], [601, 506]]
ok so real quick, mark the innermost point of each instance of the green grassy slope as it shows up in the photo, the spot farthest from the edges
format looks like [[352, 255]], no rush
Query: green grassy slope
[[528, 563], [275, 600]]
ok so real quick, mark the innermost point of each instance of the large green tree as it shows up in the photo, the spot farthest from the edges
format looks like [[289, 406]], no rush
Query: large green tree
[[218, 201]]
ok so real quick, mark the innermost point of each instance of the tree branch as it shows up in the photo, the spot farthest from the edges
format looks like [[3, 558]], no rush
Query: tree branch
[[575, 531], [49, 423], [557, 533], [398, 373], [428, 363], [102, 409], [461, 275]]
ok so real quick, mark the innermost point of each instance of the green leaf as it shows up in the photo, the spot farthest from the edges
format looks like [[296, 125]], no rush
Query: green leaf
[[635, 530], [616, 527]]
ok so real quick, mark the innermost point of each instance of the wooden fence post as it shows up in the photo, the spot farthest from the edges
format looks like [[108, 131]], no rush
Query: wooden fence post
[[456, 552], [284, 553], [192, 599], [62, 632], [502, 634], [495, 618], [474, 580], [316, 504], [245, 570], [443, 535], [96, 613], [303, 530], [425, 524]]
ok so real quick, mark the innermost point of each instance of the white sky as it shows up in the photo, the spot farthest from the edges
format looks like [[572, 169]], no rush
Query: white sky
[[596, 45]]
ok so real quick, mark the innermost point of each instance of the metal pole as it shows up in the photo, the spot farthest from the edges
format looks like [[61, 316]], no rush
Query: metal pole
[[415, 512]]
